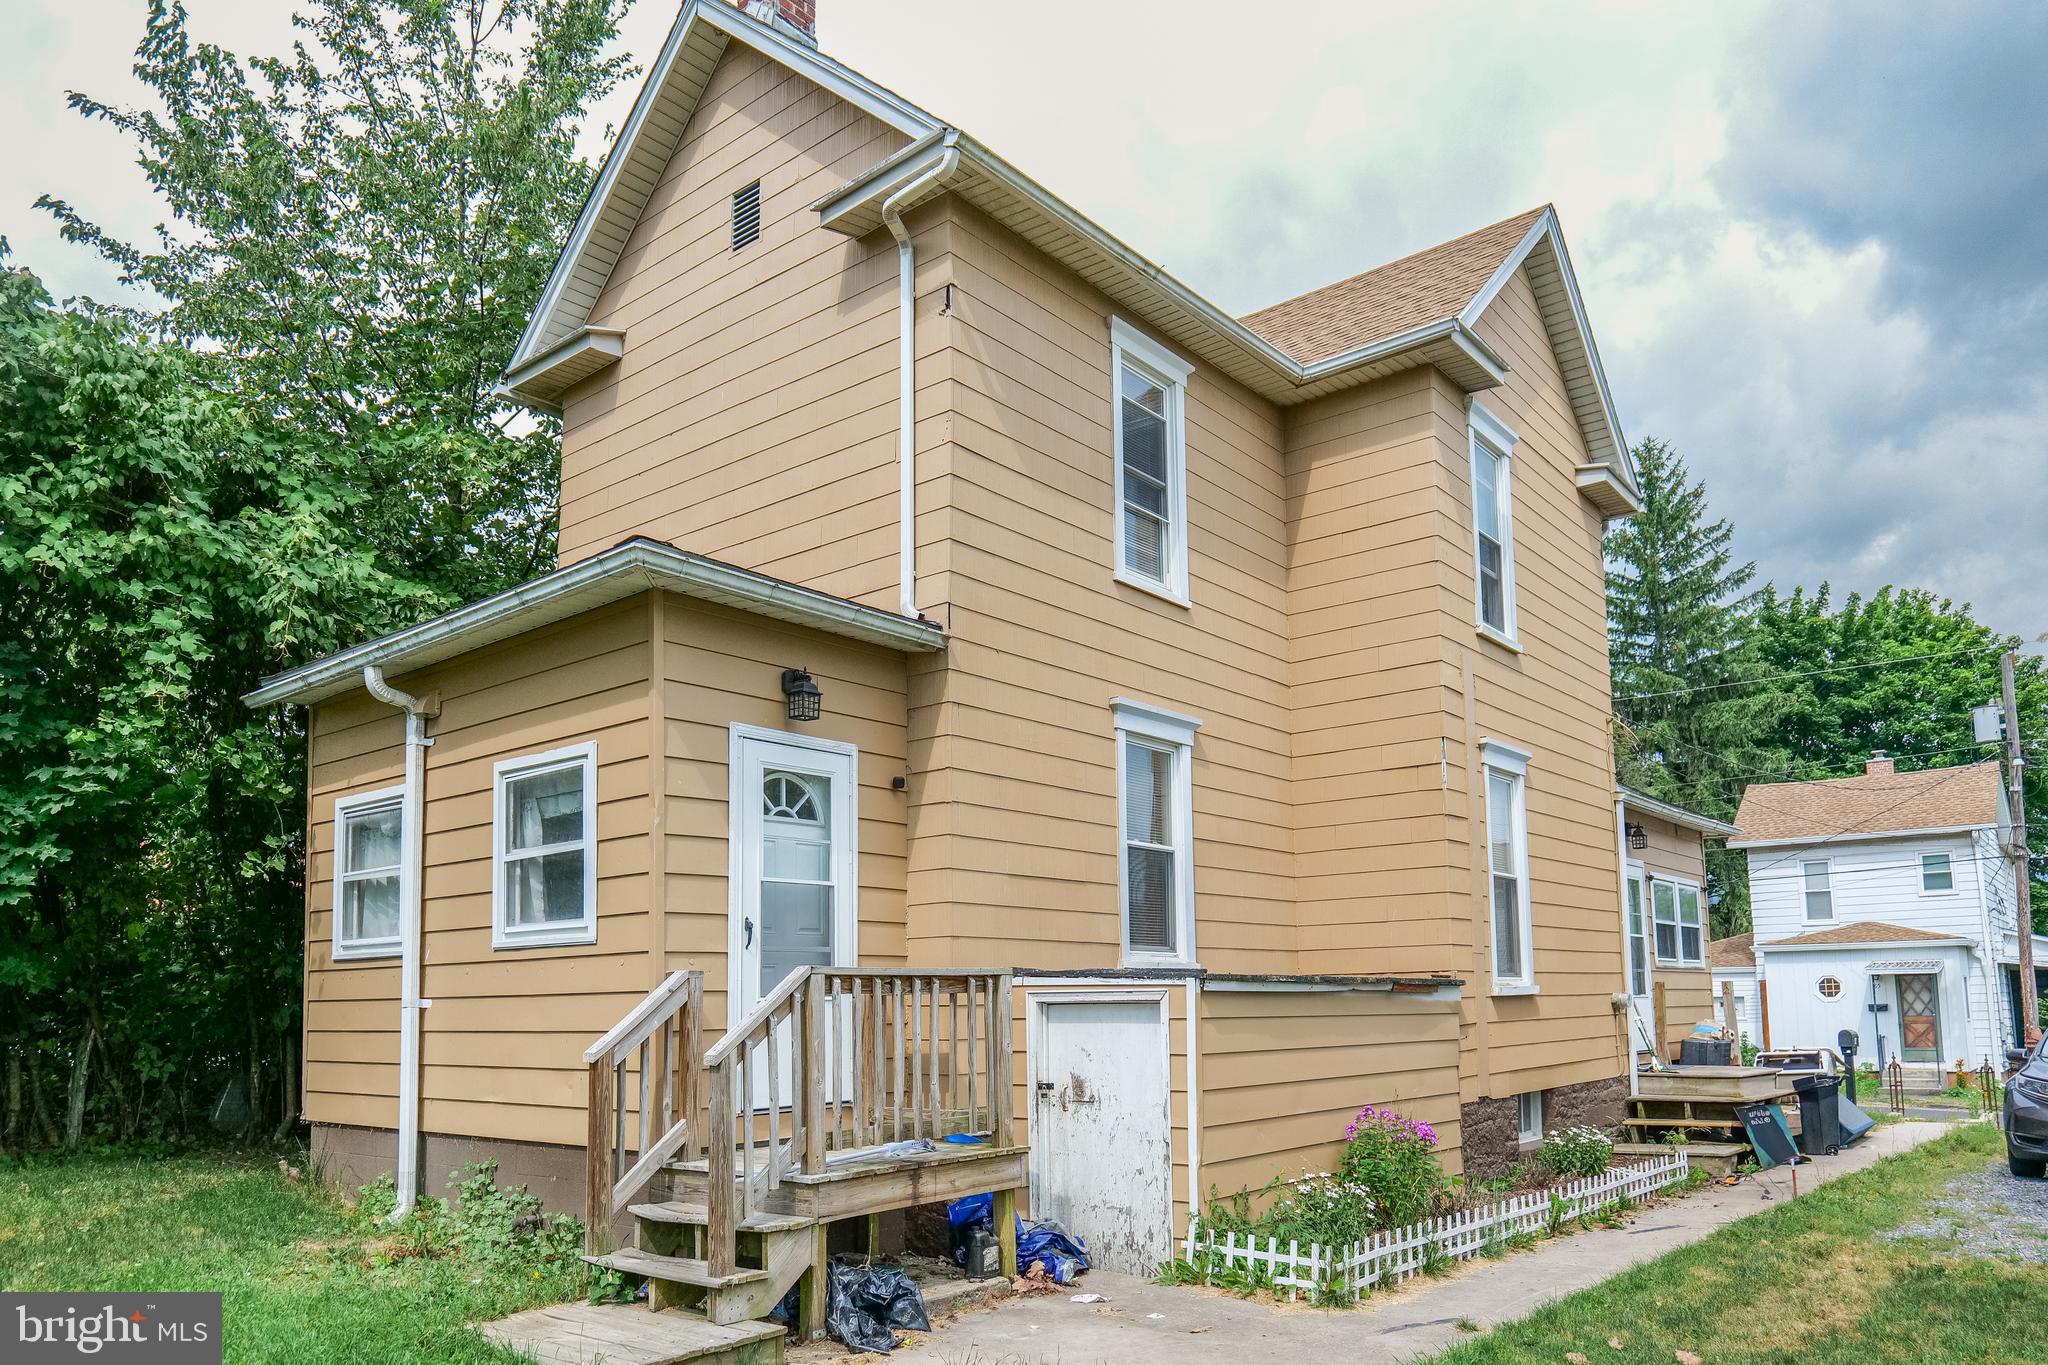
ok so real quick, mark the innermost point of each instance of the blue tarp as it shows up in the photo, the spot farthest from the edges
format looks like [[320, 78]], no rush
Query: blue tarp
[[1039, 1241]]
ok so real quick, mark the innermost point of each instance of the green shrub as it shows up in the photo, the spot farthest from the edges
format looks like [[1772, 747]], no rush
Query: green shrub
[[1394, 1159], [1578, 1152]]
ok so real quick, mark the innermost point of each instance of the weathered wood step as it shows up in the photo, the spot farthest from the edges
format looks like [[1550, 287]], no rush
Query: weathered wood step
[[622, 1334], [697, 1215], [674, 1269]]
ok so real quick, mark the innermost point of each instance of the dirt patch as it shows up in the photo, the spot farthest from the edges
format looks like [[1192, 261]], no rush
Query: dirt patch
[[1991, 1213]]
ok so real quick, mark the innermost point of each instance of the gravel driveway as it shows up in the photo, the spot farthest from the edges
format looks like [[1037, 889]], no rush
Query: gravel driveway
[[1991, 1213]]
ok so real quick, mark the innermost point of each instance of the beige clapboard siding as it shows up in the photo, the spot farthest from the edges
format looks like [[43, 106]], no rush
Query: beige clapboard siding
[[1677, 853], [721, 667], [584, 680], [1042, 639], [1553, 700], [1282, 1074], [752, 416]]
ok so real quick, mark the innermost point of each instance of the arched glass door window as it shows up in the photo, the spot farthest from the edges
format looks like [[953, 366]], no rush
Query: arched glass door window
[[796, 874]]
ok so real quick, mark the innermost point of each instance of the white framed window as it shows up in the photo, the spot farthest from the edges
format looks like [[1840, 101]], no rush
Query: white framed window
[[1675, 905], [1638, 935], [1149, 431], [1155, 838], [1829, 987], [1937, 874], [369, 850], [1506, 770], [1820, 896], [1493, 526], [1529, 1116], [544, 849]]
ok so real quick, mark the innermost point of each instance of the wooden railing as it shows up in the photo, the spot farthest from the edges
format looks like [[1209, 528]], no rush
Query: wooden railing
[[874, 1055], [655, 1048]]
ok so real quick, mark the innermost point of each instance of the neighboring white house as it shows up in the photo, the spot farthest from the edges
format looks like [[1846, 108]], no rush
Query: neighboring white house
[[1733, 961], [1881, 903]]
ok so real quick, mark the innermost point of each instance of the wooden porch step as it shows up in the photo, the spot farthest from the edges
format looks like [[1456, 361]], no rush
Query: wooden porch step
[[622, 1334], [674, 1269], [697, 1215]]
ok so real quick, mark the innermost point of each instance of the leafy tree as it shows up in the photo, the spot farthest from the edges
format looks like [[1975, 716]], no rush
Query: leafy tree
[[1679, 619], [359, 232]]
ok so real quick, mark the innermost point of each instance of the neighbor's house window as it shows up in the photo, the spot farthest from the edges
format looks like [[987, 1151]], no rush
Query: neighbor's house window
[[1830, 987], [1820, 899], [1151, 463], [1935, 873], [1155, 791], [1506, 769], [369, 843], [1676, 908], [1529, 1116], [544, 845], [1493, 529]]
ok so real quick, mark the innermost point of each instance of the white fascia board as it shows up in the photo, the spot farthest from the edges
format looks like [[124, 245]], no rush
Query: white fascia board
[[1838, 841], [1634, 800], [1859, 947], [636, 566], [730, 21]]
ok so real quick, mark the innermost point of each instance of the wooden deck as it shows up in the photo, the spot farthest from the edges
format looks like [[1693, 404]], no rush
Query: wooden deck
[[628, 1334]]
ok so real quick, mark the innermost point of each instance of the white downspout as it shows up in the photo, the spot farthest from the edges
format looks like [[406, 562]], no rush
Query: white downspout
[[906, 401], [1628, 985], [411, 809]]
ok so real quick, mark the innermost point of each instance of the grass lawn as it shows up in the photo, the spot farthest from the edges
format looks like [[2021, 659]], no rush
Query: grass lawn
[[1811, 1281], [304, 1282]]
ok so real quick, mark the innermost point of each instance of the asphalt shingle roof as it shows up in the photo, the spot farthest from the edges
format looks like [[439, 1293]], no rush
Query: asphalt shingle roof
[[1862, 931], [1737, 950], [1873, 803]]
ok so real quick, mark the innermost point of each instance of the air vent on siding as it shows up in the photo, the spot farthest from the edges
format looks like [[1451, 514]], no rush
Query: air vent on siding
[[746, 215]]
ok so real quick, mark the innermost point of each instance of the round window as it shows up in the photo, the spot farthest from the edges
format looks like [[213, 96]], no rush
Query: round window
[[1830, 987]]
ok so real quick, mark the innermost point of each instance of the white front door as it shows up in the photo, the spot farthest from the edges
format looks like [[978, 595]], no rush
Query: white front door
[[794, 863], [1101, 1141]]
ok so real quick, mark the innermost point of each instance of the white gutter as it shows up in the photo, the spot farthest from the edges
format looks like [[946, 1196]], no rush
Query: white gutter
[[1194, 1046], [1627, 994], [411, 811], [906, 361]]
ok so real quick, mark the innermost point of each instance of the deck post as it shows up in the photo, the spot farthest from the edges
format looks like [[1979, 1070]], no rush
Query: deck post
[[1001, 1099], [599, 1171], [1657, 1010], [719, 1233], [816, 1287], [813, 1081], [1006, 1229]]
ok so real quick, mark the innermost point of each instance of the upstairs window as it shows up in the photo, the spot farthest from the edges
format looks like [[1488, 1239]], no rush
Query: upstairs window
[[1507, 865], [746, 215], [1493, 531], [1820, 897], [1935, 873], [544, 844], [369, 840], [1151, 463], [1155, 791]]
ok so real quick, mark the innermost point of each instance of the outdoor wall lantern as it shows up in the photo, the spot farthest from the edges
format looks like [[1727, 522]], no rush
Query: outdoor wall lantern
[[1638, 837], [804, 697]]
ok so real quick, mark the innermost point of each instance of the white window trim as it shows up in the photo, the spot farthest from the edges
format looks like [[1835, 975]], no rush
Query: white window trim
[[1171, 730], [1926, 890], [1840, 988], [1805, 905], [343, 808], [1512, 762], [566, 932], [1529, 1102], [1483, 428], [1128, 346], [1639, 878], [1678, 886]]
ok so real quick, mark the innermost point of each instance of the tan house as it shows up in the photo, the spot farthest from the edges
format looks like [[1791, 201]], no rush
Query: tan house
[[1670, 967], [954, 607]]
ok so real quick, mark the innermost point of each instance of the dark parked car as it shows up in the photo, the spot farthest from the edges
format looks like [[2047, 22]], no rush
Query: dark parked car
[[2026, 1112]]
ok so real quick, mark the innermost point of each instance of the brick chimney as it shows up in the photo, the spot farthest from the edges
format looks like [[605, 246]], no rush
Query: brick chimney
[[1877, 765], [801, 15]]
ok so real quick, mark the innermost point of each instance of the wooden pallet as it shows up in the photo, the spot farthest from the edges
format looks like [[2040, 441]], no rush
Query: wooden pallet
[[628, 1334]]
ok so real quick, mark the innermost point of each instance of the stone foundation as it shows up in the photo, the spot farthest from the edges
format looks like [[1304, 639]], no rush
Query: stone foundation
[[348, 1158], [1491, 1127]]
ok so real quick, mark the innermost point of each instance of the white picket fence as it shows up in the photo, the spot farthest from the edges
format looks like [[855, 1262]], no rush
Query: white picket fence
[[1389, 1257]]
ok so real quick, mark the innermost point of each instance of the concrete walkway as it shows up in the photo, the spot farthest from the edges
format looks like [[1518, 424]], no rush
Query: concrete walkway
[[1145, 1323]]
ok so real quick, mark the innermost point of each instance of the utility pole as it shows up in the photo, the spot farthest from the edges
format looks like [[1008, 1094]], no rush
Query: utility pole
[[2016, 759]]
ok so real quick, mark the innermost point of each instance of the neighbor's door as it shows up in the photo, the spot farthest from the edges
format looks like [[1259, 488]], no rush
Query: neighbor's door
[[795, 865], [1101, 1144], [1919, 1029]]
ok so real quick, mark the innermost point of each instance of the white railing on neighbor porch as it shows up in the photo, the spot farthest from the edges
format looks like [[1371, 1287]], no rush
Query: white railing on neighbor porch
[[1386, 1258]]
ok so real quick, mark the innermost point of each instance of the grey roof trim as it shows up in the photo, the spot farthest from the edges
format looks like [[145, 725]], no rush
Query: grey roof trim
[[1856, 836], [633, 567], [1677, 815], [675, 82], [1186, 319], [1784, 947]]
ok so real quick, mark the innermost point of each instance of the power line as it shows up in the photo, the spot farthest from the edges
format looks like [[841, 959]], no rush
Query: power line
[[1810, 673]]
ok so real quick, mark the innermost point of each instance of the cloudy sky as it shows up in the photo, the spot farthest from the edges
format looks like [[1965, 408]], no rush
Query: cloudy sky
[[1813, 239]]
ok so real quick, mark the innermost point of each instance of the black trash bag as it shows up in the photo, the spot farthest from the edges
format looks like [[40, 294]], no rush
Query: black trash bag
[[865, 1304]]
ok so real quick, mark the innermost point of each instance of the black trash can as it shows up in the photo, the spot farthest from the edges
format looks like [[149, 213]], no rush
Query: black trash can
[[1820, 1115]]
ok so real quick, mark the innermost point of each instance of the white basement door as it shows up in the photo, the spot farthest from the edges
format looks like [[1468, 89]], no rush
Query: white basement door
[[1101, 1145]]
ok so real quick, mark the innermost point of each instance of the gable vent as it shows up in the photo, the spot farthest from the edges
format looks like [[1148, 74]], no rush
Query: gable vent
[[746, 215]]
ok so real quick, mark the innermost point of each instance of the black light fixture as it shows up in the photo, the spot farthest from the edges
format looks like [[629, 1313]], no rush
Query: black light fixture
[[1638, 837], [804, 696]]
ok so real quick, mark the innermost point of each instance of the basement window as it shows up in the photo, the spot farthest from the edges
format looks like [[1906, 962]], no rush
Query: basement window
[[369, 839], [544, 849], [1529, 1116], [746, 215]]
